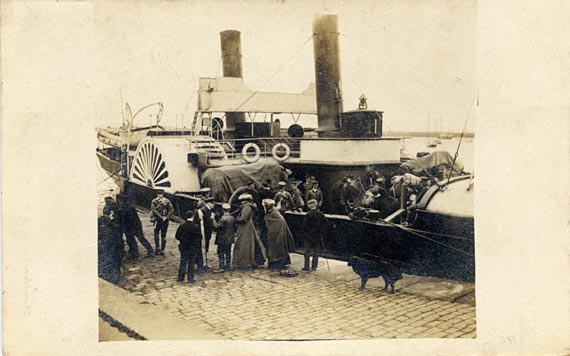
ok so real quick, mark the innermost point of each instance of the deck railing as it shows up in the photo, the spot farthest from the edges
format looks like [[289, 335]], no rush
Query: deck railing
[[234, 147]]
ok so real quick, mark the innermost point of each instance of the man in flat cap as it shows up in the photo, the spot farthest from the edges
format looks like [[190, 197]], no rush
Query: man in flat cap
[[314, 193], [314, 228], [161, 210], [189, 237]]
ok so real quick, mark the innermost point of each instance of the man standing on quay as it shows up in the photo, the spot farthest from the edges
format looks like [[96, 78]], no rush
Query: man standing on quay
[[161, 210], [314, 226], [190, 237]]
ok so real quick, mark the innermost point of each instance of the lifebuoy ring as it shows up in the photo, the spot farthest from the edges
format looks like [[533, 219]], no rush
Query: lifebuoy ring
[[255, 157], [275, 149]]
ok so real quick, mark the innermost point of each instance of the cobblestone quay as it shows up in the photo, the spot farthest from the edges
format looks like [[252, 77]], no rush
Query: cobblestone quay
[[326, 304]]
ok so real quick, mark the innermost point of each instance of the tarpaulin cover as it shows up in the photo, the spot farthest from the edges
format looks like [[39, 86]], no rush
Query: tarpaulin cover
[[224, 180], [418, 165]]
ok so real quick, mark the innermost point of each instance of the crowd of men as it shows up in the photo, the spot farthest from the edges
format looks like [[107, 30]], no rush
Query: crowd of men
[[252, 232], [246, 237]]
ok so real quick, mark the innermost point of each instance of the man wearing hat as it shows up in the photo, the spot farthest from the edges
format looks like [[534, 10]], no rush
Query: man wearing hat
[[161, 210], [283, 198], [297, 197], [226, 229], [110, 207], [189, 236], [314, 193], [314, 227], [205, 192], [266, 192], [205, 218]]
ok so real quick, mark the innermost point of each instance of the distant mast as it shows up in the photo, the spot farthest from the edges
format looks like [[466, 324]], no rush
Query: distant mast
[[231, 60], [327, 74]]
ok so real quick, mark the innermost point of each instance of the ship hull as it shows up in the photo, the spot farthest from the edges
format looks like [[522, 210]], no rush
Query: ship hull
[[418, 253], [111, 166]]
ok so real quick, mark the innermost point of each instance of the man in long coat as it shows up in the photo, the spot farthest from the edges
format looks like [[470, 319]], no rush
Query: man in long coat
[[110, 249], [279, 237], [246, 236]]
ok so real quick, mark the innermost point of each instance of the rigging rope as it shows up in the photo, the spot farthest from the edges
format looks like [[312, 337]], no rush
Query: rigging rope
[[424, 237], [111, 176], [460, 140], [274, 74]]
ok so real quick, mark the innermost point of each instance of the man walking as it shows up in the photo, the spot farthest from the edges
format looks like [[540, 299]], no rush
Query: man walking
[[314, 226], [132, 228], [189, 236], [161, 210]]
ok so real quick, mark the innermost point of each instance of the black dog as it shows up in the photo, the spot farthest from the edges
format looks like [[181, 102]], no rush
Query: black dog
[[373, 269]]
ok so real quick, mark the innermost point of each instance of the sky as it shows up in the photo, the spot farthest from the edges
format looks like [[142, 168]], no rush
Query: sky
[[414, 60]]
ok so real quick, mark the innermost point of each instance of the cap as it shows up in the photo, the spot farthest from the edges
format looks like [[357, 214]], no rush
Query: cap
[[268, 202], [282, 184], [226, 206], [245, 197], [380, 180], [312, 201]]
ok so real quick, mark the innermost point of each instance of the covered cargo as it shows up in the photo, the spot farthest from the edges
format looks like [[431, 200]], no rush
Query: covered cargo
[[226, 179], [431, 163]]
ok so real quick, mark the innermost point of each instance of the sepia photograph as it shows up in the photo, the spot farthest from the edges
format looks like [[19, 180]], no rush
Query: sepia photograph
[[281, 173], [285, 177]]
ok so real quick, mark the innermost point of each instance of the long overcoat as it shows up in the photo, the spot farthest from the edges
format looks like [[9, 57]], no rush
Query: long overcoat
[[246, 236], [280, 239]]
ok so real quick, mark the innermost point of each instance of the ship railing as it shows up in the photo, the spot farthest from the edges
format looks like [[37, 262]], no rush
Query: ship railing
[[234, 147]]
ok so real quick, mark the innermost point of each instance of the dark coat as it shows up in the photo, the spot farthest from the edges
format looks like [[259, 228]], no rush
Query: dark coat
[[130, 219], [314, 225], [226, 230], [266, 194], [386, 205], [110, 250], [190, 236], [312, 194]]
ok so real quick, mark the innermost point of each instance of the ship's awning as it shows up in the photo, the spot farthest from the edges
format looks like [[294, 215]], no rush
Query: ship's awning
[[226, 94]]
